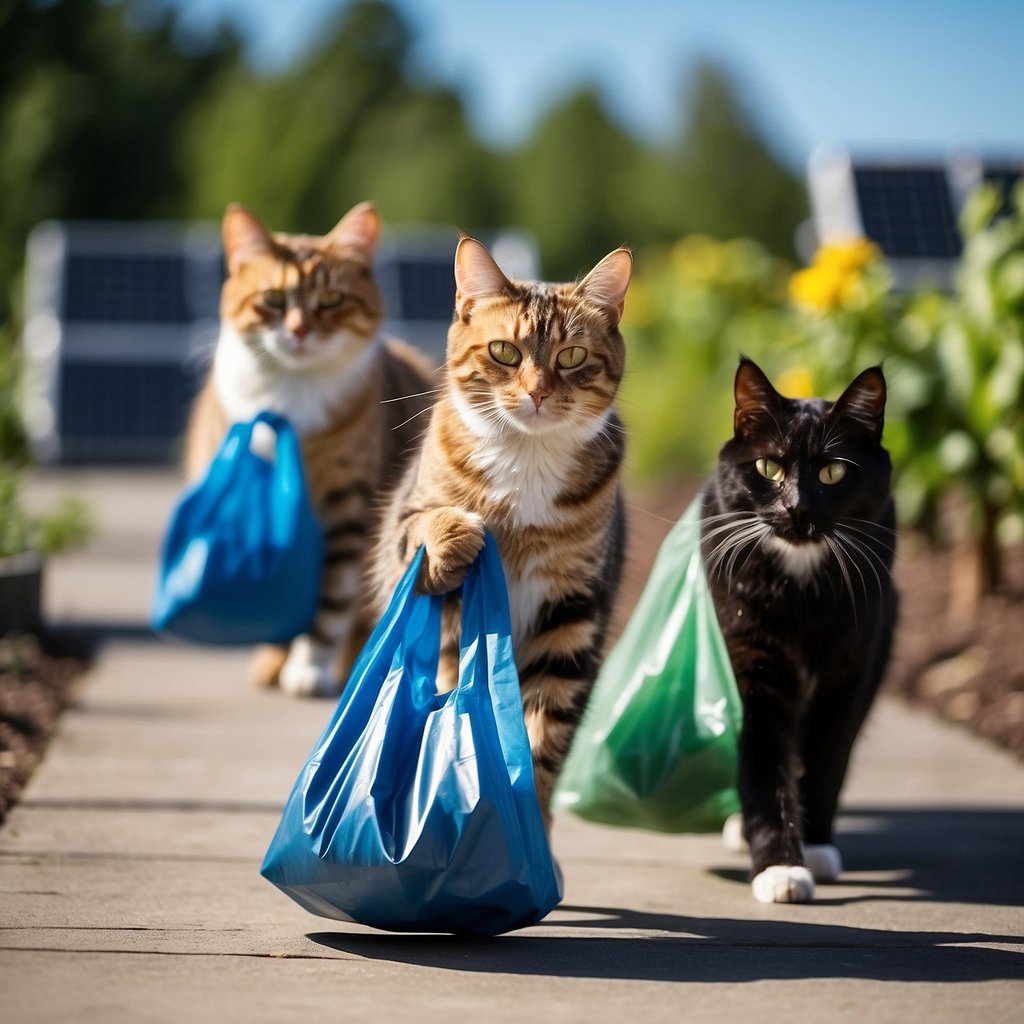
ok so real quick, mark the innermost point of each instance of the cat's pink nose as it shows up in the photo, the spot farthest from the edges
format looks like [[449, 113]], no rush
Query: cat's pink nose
[[538, 395], [300, 330]]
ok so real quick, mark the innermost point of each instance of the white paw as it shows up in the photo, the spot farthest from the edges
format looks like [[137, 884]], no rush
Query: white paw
[[823, 861], [784, 883], [307, 670], [732, 833]]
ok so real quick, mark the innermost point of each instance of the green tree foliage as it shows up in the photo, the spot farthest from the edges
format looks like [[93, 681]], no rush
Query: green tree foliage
[[347, 124], [573, 184], [92, 99], [728, 184]]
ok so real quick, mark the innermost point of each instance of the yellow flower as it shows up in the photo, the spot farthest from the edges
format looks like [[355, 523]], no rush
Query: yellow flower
[[833, 280], [816, 287], [796, 382], [848, 257]]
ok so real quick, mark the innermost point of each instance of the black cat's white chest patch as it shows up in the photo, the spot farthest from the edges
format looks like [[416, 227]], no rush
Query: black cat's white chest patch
[[801, 561]]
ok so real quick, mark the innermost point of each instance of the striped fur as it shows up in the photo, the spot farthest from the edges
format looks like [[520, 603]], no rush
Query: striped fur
[[299, 334], [531, 451]]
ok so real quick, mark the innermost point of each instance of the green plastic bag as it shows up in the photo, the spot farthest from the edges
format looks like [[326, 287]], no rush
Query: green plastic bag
[[657, 746]]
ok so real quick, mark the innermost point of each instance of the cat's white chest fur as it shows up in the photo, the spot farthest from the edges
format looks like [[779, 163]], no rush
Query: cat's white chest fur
[[800, 561], [247, 382], [526, 475]]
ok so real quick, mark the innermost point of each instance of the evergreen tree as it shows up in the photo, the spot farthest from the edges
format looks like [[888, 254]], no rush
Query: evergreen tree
[[728, 182]]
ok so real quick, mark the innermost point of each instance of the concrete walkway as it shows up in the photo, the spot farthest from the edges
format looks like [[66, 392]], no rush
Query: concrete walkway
[[129, 885]]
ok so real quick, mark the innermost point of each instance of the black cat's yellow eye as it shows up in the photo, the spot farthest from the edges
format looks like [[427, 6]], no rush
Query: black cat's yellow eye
[[570, 358], [505, 352], [770, 470], [832, 473], [329, 298], [275, 298]]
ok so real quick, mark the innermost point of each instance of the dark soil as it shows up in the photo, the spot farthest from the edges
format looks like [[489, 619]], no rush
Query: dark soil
[[972, 676], [35, 686]]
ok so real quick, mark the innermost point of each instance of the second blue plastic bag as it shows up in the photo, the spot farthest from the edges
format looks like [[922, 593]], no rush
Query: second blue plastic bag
[[243, 553], [417, 811]]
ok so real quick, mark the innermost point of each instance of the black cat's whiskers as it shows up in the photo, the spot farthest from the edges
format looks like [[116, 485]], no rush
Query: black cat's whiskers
[[848, 522], [837, 549], [872, 560], [749, 541], [744, 530], [831, 438]]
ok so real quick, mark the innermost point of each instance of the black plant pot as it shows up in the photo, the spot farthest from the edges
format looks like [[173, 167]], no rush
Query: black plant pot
[[21, 590]]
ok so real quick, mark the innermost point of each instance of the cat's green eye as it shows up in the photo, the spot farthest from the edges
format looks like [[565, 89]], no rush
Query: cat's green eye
[[570, 358], [275, 298], [505, 352], [832, 473], [770, 470], [329, 298]]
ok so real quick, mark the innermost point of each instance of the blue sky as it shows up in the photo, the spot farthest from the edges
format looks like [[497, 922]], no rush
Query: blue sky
[[899, 78]]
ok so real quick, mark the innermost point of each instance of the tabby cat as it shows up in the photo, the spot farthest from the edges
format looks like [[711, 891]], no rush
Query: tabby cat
[[798, 536], [524, 441], [299, 334]]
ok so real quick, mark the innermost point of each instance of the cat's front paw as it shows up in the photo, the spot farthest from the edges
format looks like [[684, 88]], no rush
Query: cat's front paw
[[307, 672], [783, 883], [454, 539]]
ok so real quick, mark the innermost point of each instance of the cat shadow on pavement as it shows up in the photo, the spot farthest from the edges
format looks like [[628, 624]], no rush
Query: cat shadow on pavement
[[941, 855]]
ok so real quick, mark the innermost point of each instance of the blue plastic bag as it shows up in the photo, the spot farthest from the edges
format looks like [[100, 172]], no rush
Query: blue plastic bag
[[417, 811], [243, 553]]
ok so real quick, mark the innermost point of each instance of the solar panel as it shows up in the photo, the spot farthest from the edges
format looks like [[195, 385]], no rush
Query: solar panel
[[908, 211], [122, 412], [102, 288]]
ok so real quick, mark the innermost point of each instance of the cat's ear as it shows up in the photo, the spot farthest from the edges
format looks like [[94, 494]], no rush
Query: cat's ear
[[358, 230], [243, 235], [476, 275], [864, 402], [757, 402], [606, 284]]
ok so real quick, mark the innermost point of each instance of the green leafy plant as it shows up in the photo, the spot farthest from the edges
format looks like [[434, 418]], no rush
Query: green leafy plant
[[68, 523], [954, 364]]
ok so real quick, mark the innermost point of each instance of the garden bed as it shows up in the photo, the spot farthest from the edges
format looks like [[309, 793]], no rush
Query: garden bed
[[35, 686]]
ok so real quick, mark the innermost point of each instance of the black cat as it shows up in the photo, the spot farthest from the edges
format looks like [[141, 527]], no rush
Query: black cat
[[797, 536]]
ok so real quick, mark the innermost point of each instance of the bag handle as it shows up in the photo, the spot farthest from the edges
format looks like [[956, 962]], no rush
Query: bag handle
[[487, 624], [410, 621]]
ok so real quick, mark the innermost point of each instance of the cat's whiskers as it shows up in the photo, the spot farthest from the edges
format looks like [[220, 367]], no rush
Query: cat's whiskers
[[867, 554], [751, 532], [846, 555], [412, 417], [405, 398], [836, 548], [757, 534], [870, 540], [849, 520]]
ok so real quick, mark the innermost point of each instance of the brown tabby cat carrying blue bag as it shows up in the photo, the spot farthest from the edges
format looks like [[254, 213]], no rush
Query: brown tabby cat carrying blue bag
[[657, 746]]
